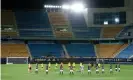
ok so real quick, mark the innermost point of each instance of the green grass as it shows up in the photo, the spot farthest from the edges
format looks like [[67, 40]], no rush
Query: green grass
[[20, 72]]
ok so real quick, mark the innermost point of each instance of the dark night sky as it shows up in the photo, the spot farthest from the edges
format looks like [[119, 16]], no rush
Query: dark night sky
[[38, 4]]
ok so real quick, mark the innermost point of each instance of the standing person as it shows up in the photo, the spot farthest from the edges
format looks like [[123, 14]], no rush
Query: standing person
[[102, 68], [29, 67], [80, 64], [42, 66], [116, 67], [82, 69], [49, 65], [71, 69], [73, 65], [69, 64], [56, 65], [47, 68], [97, 70], [99, 65], [89, 68], [36, 70], [111, 70], [61, 68], [119, 67]]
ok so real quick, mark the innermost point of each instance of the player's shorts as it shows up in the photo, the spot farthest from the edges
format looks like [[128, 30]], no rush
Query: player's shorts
[[29, 68], [36, 69], [89, 70], [111, 70], [102, 69], [71, 70], [46, 70], [97, 70], [119, 69], [115, 68], [61, 70]]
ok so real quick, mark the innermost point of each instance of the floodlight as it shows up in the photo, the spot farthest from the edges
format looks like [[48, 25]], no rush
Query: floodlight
[[65, 7], [78, 7], [45, 6], [117, 20], [105, 22]]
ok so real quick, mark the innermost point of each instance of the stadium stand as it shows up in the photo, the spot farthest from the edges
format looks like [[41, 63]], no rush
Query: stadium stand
[[26, 18], [12, 34], [127, 52], [8, 24], [14, 50], [35, 33], [45, 49], [63, 34], [57, 19], [91, 32], [80, 50], [109, 50], [126, 32], [111, 32], [33, 24], [77, 21]]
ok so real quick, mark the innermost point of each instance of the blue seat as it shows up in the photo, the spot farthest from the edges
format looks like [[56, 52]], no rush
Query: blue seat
[[26, 33], [90, 32], [126, 53], [38, 50], [125, 30], [32, 19], [82, 50]]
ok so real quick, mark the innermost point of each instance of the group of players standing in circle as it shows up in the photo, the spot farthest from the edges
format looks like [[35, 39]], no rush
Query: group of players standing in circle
[[72, 68]]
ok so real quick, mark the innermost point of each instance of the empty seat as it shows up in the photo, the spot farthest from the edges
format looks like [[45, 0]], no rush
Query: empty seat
[[109, 50], [11, 34], [60, 34], [57, 19], [32, 19], [14, 50], [81, 50], [111, 32], [41, 49], [90, 32], [7, 18], [127, 52]]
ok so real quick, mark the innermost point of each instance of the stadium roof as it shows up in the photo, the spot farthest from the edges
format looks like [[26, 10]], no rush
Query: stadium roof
[[39, 4]]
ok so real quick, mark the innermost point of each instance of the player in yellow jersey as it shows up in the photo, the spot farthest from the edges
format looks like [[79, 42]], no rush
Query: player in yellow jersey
[[42, 66], [29, 67], [56, 65], [80, 64], [99, 65], [49, 65], [73, 65], [69, 64]]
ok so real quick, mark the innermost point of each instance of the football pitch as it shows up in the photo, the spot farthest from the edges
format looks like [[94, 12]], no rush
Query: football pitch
[[20, 72]]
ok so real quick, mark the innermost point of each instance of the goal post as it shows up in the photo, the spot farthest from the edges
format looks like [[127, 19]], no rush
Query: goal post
[[17, 60]]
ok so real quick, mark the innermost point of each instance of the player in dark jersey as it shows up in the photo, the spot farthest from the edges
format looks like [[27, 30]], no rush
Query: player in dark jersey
[[111, 70], [36, 70], [102, 68], [89, 69], [116, 67], [71, 69], [47, 67], [61, 69], [119, 68], [97, 70]]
